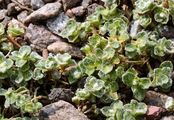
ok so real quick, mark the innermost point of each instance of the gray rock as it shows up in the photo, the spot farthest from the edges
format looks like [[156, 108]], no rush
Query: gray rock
[[158, 99], [24, 2], [22, 15], [40, 37], [68, 4], [47, 11], [61, 94], [36, 4], [3, 13], [168, 118], [11, 9], [78, 11], [57, 24], [86, 3], [63, 47], [167, 31], [61, 111]]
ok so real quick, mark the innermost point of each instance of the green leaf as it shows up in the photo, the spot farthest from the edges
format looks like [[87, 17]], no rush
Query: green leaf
[[138, 93], [25, 51], [15, 31], [166, 64], [145, 20], [128, 78], [106, 67], [144, 83], [93, 84], [143, 6], [161, 15], [37, 74], [136, 108]]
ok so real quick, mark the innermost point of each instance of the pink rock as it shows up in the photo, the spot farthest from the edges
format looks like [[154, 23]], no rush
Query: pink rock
[[154, 112]]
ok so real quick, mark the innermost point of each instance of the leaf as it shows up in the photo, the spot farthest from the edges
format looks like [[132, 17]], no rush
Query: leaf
[[143, 6], [145, 20], [93, 84], [144, 83], [166, 64], [138, 93], [136, 108], [2, 30], [37, 74], [161, 15], [128, 78], [25, 51], [15, 31], [106, 67]]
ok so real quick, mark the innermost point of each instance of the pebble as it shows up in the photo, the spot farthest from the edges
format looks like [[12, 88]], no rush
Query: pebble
[[61, 110], [36, 4], [57, 24], [63, 47], [49, 10], [68, 4]]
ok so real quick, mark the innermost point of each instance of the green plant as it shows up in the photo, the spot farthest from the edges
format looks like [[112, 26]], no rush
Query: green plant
[[118, 111], [138, 85]]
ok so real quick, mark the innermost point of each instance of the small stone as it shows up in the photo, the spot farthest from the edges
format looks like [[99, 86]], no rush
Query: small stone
[[168, 118], [36, 4], [57, 24], [11, 8], [68, 4], [61, 110], [63, 47], [40, 37], [158, 99], [69, 13], [78, 11], [3, 13], [61, 94], [21, 16], [86, 3], [167, 31], [47, 11], [154, 112]]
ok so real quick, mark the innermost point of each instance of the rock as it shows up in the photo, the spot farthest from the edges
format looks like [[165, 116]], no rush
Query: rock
[[57, 24], [62, 47], [154, 112], [168, 118], [21, 16], [68, 4], [78, 11], [11, 9], [47, 11], [40, 37], [61, 94], [69, 13], [86, 3], [24, 2], [158, 99], [61, 110], [48, 1], [134, 29], [91, 8], [167, 31], [3, 13], [36, 4]]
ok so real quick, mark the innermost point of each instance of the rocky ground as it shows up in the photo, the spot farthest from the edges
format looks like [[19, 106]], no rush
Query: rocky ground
[[43, 20]]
